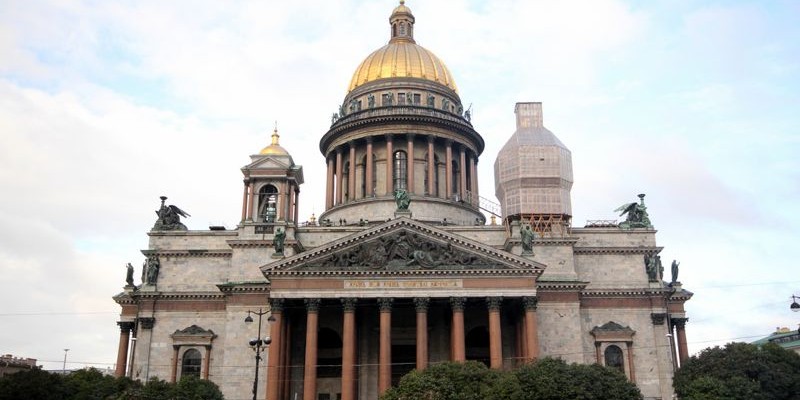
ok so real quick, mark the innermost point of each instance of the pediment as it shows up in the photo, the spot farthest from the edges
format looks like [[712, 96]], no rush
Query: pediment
[[403, 246], [269, 162]]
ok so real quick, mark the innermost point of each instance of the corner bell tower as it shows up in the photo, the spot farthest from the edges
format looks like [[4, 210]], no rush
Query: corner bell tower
[[533, 174], [271, 186]]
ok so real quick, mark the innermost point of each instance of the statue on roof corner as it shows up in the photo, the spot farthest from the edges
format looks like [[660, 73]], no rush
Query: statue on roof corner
[[169, 217], [637, 216], [278, 240], [526, 234], [402, 199]]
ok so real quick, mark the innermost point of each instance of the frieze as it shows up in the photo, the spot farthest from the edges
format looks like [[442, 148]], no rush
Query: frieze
[[378, 284]]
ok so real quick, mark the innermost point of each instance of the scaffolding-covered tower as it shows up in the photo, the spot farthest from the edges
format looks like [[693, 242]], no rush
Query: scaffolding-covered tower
[[533, 174]]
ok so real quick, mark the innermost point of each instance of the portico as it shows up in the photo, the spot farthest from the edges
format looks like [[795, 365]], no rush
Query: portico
[[358, 327]]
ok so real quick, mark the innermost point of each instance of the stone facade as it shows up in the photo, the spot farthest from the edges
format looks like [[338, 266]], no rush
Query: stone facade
[[372, 291]]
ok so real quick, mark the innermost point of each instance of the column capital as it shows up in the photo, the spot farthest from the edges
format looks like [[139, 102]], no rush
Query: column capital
[[679, 322], [410, 136], [312, 305], [530, 302], [658, 318], [385, 304], [388, 136], [276, 305], [349, 304], [368, 139], [457, 303], [494, 303], [338, 150], [125, 326], [431, 138], [147, 322], [421, 303]]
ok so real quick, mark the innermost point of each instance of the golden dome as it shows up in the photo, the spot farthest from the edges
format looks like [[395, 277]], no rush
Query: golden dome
[[402, 57], [274, 149]]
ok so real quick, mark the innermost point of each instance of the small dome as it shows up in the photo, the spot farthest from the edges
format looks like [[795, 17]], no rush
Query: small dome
[[402, 57], [274, 149]]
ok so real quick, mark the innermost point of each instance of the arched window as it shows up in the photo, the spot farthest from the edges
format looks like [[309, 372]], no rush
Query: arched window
[[455, 180], [190, 365], [345, 181], [264, 194], [613, 356], [402, 28], [364, 175], [400, 169]]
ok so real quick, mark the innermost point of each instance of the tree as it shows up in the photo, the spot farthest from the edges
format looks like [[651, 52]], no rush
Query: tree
[[91, 384], [740, 371], [547, 379], [32, 385], [447, 381], [554, 379], [193, 388]]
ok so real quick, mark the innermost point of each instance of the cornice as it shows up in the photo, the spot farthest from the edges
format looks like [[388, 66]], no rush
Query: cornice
[[382, 273], [617, 250], [243, 287], [633, 292], [560, 286], [225, 253]]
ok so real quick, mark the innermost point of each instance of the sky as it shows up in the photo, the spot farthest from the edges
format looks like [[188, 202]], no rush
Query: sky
[[107, 105]]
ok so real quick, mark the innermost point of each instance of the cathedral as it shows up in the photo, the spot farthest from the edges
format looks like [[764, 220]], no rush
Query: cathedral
[[402, 270]]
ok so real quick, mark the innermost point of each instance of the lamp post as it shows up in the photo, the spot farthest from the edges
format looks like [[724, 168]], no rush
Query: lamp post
[[64, 366], [258, 344]]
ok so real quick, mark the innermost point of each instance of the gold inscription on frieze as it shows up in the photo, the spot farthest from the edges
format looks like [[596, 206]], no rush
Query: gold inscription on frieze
[[403, 284]]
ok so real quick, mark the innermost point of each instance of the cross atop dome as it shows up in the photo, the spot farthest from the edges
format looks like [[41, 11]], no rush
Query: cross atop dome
[[402, 23]]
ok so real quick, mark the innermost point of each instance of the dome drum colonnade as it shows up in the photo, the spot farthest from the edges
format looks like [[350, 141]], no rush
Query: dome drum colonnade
[[402, 126]]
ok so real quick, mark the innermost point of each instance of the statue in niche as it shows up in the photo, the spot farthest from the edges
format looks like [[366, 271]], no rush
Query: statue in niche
[[152, 267], [675, 265], [371, 100], [527, 235], [468, 116], [129, 275], [431, 100], [402, 199], [278, 240], [460, 109], [409, 99], [169, 217], [637, 216], [334, 118]]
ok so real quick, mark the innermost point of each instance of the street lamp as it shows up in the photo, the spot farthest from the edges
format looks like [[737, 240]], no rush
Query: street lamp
[[258, 344], [64, 366], [795, 307]]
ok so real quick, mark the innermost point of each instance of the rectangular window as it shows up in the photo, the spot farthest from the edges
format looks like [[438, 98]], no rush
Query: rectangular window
[[417, 99], [385, 100], [401, 99]]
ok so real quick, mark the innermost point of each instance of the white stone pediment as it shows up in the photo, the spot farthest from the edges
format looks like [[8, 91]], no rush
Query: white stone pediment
[[404, 246]]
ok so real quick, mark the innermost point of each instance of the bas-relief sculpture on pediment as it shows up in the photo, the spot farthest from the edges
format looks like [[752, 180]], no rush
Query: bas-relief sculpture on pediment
[[402, 250]]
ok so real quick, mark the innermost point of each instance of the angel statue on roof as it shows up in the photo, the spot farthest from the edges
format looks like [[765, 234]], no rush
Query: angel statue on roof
[[169, 217], [636, 215]]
